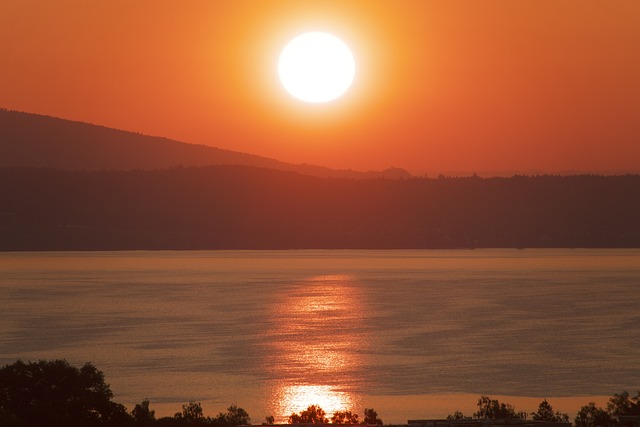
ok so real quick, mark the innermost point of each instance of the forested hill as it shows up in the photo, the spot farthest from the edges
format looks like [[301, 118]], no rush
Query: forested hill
[[237, 207], [32, 140]]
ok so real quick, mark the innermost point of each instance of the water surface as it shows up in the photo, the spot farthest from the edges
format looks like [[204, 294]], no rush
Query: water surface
[[415, 334]]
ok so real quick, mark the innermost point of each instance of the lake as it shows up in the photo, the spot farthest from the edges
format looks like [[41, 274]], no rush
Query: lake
[[413, 334]]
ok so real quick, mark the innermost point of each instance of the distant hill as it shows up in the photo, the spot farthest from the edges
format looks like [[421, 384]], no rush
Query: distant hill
[[32, 140], [242, 207]]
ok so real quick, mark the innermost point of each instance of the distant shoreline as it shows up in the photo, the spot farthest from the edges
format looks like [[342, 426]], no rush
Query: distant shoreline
[[248, 208]]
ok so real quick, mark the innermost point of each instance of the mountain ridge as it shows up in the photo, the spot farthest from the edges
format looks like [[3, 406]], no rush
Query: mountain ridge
[[34, 140]]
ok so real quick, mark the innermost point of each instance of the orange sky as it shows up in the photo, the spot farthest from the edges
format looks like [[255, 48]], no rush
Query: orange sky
[[441, 86]]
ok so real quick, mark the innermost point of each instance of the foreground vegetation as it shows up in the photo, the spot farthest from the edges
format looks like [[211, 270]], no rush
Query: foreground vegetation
[[56, 394]]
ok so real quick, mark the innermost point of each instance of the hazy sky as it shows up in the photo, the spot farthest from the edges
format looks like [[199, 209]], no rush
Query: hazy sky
[[440, 86]]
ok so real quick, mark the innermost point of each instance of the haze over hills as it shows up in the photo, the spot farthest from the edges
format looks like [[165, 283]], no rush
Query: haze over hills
[[32, 140]]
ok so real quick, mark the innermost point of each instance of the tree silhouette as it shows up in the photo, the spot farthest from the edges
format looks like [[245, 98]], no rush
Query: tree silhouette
[[314, 414], [619, 405], [623, 404], [235, 416], [371, 417], [492, 409], [545, 412], [456, 416], [344, 417], [142, 415], [191, 413], [593, 416], [54, 393]]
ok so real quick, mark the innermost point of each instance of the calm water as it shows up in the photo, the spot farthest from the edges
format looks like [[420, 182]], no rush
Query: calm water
[[415, 334]]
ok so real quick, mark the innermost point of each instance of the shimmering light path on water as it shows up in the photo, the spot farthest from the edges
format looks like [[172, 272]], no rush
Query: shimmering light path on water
[[414, 334]]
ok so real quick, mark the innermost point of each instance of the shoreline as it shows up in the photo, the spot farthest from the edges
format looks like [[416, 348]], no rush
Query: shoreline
[[397, 410]]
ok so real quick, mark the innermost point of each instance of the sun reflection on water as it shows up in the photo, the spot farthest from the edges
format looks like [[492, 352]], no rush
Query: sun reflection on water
[[296, 398], [314, 334]]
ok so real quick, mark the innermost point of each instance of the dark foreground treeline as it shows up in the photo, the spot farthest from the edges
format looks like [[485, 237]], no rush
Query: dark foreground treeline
[[239, 207], [56, 394]]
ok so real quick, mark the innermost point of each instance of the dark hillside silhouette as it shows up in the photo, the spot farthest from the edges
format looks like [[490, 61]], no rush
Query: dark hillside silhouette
[[238, 207], [31, 140]]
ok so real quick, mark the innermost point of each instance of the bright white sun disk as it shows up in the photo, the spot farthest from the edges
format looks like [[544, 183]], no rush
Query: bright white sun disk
[[316, 67]]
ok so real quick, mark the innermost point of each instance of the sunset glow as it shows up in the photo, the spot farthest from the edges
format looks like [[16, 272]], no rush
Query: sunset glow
[[489, 87], [316, 211]]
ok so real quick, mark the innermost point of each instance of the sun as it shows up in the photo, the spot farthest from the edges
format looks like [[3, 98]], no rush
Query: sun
[[316, 67]]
